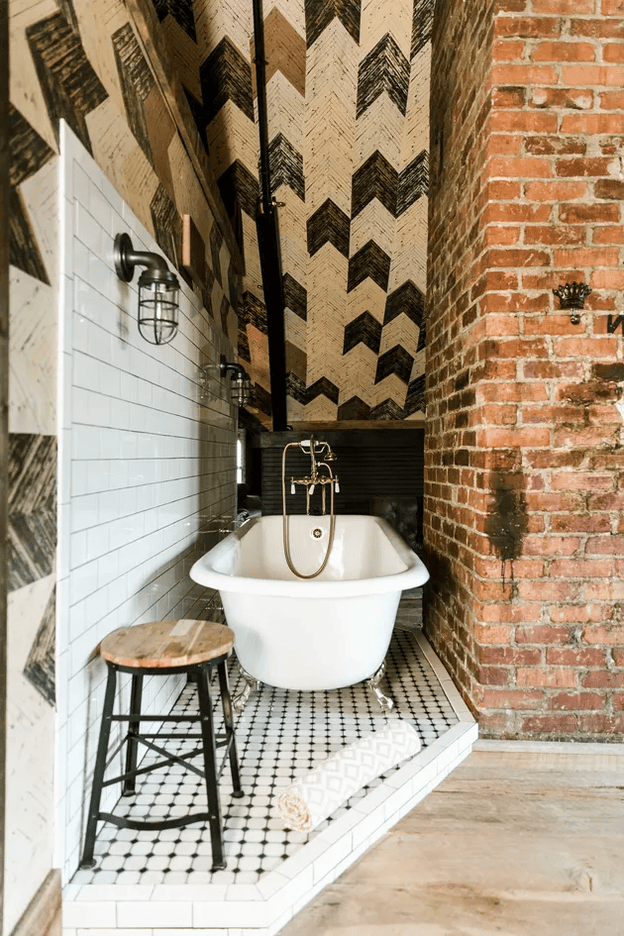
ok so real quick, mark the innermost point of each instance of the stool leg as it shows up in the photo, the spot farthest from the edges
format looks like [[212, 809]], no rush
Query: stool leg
[[98, 773], [129, 787], [226, 702], [210, 768]]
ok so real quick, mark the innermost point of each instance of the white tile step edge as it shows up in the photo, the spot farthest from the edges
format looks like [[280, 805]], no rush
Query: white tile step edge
[[264, 908]]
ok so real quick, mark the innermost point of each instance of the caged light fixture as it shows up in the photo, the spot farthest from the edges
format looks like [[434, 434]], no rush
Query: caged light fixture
[[241, 382], [158, 290]]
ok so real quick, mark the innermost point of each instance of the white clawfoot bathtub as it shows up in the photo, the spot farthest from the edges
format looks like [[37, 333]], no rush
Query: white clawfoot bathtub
[[322, 633]]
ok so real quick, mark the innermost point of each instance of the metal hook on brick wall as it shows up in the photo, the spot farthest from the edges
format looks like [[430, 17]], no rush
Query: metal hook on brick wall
[[572, 296]]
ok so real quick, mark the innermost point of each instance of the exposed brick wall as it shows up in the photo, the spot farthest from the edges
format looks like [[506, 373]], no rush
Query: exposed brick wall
[[524, 461]]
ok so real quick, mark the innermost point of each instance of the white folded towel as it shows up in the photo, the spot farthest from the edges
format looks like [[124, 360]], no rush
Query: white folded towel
[[315, 796]]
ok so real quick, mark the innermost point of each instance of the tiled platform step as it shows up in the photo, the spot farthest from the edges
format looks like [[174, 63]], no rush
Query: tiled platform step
[[165, 888]]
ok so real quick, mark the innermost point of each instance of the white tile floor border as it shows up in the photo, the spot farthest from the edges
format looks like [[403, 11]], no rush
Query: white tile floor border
[[265, 907]]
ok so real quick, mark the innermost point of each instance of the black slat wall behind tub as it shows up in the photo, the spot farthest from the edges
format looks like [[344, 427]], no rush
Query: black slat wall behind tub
[[380, 472]]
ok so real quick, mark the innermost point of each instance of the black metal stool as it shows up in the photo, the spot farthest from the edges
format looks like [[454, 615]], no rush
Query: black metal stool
[[164, 648]]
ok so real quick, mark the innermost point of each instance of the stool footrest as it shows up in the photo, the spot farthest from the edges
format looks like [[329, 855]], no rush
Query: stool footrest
[[169, 758], [157, 825]]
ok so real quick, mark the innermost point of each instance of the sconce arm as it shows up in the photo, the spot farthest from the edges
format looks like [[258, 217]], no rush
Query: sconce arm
[[238, 369], [126, 258]]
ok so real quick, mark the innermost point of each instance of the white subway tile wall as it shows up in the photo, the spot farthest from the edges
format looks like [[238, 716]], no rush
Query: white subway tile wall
[[147, 465]]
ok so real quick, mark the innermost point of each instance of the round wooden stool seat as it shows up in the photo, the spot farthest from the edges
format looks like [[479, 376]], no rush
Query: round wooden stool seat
[[167, 644]]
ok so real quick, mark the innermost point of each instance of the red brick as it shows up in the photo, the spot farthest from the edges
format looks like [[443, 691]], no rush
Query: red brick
[[528, 167], [514, 348], [507, 50], [607, 279], [576, 701], [540, 415], [617, 700], [575, 656], [555, 146], [501, 236], [510, 698], [561, 98], [504, 143], [599, 347], [556, 677], [512, 302], [614, 234], [509, 6], [612, 7], [605, 545], [581, 568], [595, 436], [511, 656], [543, 635], [603, 679], [553, 502], [604, 27], [604, 591], [609, 188], [548, 591], [549, 279], [605, 636], [549, 725], [587, 257], [527, 27], [577, 614], [512, 437], [552, 7], [601, 724], [589, 214], [613, 52], [611, 100], [499, 614], [495, 676], [564, 52], [581, 481], [555, 191], [509, 97], [609, 76], [511, 393], [524, 122], [495, 634], [516, 258], [553, 325], [501, 190], [538, 234], [583, 523], [524, 75], [583, 167], [592, 123]]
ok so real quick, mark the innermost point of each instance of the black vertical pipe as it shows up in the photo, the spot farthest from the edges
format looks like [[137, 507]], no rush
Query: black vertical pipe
[[268, 240]]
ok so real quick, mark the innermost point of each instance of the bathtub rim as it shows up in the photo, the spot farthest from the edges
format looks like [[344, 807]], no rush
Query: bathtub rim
[[204, 573]]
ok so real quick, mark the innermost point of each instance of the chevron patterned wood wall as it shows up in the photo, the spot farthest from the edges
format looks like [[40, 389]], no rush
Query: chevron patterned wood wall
[[348, 99]]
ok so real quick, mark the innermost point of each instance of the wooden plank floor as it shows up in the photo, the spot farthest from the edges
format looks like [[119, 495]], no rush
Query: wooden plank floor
[[516, 842]]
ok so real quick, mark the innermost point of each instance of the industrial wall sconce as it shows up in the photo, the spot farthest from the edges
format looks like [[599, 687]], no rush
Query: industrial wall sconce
[[241, 383], [158, 290], [572, 296]]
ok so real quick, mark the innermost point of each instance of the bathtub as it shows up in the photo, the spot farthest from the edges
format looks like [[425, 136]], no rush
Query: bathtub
[[321, 633]]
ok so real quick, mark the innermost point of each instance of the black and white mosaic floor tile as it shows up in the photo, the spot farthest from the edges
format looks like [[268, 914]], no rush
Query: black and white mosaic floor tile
[[281, 734]]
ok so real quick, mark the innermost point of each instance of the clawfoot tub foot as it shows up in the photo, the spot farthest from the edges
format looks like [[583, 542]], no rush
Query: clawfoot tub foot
[[250, 685], [385, 701]]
